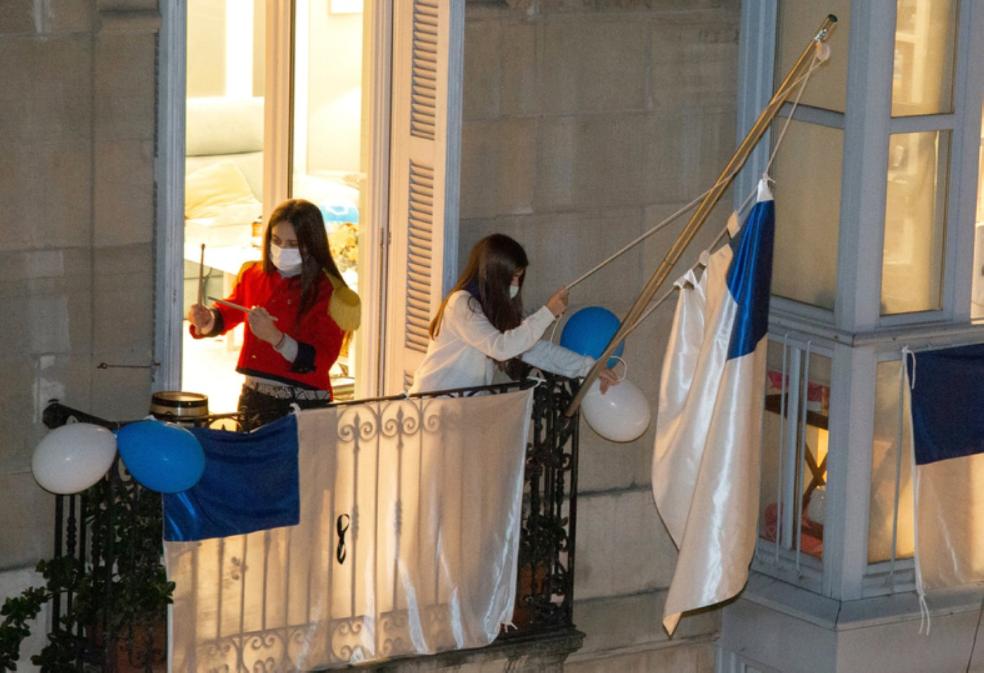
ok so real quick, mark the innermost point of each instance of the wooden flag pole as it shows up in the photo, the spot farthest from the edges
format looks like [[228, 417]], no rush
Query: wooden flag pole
[[201, 277], [703, 210]]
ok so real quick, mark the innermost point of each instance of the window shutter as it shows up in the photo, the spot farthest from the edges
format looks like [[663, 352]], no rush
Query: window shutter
[[426, 117]]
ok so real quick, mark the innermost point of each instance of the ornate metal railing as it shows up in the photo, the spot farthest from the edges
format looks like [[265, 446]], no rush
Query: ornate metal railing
[[111, 535]]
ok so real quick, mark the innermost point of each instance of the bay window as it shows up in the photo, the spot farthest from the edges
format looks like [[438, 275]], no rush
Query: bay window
[[875, 225]]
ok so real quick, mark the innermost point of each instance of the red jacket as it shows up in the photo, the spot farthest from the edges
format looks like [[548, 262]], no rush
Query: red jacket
[[319, 338]]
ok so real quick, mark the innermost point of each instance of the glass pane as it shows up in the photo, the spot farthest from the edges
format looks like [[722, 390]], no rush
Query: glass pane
[[223, 176], [798, 23], [786, 478], [885, 465], [925, 35], [915, 222], [977, 302], [326, 166], [807, 214]]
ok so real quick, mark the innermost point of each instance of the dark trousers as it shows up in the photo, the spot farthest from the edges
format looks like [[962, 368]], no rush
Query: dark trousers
[[256, 408]]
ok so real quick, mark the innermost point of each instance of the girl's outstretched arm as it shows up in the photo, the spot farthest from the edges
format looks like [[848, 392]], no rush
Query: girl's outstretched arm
[[471, 325]]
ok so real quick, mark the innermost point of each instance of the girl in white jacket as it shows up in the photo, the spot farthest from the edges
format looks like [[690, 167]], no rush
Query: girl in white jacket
[[481, 322]]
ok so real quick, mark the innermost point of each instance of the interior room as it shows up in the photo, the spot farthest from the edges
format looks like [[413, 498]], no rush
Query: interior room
[[229, 161]]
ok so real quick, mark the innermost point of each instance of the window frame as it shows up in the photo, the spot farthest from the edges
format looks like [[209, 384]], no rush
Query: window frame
[[867, 125], [170, 171], [777, 560]]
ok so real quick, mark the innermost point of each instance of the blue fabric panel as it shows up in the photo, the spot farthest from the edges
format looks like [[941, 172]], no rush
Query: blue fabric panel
[[948, 403], [250, 483], [750, 278]]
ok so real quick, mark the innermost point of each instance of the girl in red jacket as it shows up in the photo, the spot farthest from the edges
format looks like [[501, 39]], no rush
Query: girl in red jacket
[[299, 311]]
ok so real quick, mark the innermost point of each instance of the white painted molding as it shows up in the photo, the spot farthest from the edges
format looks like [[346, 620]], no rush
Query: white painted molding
[[863, 181], [756, 57], [452, 185], [277, 104], [169, 196], [851, 428], [374, 244]]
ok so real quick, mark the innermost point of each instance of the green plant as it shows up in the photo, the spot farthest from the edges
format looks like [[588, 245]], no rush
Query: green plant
[[61, 575], [119, 591]]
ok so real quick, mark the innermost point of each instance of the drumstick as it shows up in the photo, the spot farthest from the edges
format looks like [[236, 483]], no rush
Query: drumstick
[[201, 276], [238, 307]]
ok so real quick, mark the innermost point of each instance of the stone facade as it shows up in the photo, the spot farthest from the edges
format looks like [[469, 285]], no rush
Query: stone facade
[[585, 123], [77, 93]]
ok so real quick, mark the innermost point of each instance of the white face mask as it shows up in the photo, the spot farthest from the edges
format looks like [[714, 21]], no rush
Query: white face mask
[[287, 260], [513, 291]]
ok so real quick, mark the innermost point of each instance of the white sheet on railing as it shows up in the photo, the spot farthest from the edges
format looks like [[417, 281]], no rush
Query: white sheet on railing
[[433, 493]]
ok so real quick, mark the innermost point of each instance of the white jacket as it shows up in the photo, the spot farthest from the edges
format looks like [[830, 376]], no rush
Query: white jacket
[[468, 345]]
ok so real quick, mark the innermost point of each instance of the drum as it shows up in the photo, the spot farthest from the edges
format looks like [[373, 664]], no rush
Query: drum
[[180, 407]]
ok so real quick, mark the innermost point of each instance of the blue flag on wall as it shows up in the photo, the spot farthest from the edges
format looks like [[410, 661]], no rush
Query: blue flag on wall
[[250, 483]]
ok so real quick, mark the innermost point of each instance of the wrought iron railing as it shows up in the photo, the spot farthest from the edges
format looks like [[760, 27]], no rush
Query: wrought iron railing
[[111, 533]]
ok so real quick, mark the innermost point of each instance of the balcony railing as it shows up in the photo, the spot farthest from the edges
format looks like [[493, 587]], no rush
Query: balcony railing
[[111, 535]]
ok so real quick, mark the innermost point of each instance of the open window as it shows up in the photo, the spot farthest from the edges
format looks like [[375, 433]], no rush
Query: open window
[[352, 105], [424, 170]]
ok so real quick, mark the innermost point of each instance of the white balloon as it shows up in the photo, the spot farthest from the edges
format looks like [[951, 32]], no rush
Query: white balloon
[[73, 457], [621, 414]]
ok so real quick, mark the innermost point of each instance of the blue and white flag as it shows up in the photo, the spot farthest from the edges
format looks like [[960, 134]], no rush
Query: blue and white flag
[[946, 398], [250, 483], [707, 449]]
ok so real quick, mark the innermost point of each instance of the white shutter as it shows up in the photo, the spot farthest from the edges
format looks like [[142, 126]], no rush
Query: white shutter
[[426, 125]]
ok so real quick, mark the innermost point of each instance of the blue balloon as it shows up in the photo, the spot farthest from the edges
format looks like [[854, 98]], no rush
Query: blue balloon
[[589, 330], [161, 456]]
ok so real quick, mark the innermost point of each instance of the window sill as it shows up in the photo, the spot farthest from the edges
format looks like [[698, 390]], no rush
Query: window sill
[[835, 615], [916, 335]]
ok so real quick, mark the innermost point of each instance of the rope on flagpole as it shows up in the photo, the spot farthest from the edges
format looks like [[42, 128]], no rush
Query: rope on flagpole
[[639, 239], [703, 210], [818, 60], [669, 293], [821, 55]]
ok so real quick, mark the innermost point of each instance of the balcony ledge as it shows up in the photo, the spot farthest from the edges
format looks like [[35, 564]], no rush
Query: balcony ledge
[[543, 652]]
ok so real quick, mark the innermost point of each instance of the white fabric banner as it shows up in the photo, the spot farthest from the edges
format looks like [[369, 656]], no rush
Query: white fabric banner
[[427, 496]]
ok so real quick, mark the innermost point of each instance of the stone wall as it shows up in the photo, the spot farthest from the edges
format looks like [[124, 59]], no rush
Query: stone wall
[[586, 122], [77, 95]]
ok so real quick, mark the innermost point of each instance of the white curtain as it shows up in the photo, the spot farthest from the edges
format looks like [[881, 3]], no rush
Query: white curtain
[[428, 496]]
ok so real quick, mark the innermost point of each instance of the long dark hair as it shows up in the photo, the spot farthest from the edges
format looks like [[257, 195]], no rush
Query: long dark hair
[[312, 242], [488, 274]]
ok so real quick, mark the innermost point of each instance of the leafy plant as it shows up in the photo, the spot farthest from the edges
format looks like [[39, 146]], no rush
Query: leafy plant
[[119, 593]]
